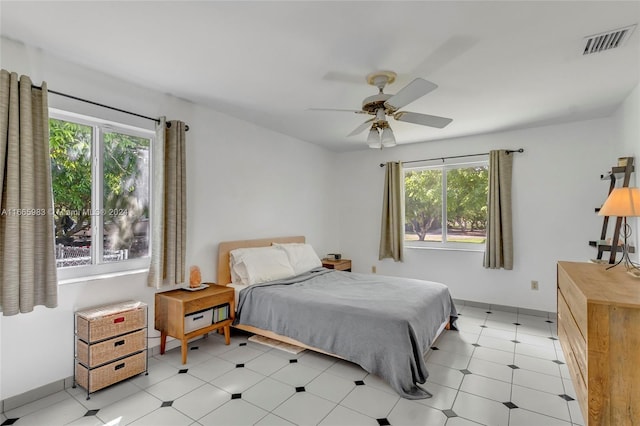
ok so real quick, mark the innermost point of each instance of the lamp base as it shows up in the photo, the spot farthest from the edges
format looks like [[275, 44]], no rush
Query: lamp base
[[634, 273]]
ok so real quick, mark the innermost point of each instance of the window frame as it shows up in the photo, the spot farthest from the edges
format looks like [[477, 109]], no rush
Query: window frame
[[97, 268], [444, 244]]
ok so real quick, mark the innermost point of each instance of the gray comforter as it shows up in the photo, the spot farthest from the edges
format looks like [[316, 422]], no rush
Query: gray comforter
[[384, 324]]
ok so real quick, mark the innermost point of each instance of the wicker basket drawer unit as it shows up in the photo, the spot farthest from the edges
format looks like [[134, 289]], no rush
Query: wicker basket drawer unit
[[110, 344]]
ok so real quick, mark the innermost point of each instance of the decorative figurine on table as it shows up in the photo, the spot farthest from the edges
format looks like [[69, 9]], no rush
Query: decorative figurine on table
[[195, 278]]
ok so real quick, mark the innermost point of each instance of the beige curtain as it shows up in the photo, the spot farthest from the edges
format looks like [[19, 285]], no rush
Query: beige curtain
[[392, 234], [169, 205], [499, 246], [27, 255]]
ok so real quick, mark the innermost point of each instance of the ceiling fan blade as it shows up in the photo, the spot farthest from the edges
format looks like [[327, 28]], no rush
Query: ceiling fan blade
[[361, 128], [409, 93], [423, 119], [356, 111]]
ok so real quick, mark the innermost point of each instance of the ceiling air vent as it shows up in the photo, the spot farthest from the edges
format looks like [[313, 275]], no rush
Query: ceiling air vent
[[606, 41]]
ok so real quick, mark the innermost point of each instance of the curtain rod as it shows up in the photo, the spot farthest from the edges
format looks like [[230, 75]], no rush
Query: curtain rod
[[157, 120], [454, 156]]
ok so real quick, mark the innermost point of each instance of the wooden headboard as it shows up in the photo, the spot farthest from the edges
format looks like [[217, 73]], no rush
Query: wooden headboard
[[224, 273]]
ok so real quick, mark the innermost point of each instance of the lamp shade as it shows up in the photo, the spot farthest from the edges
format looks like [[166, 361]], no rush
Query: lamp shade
[[622, 202], [387, 137], [373, 140]]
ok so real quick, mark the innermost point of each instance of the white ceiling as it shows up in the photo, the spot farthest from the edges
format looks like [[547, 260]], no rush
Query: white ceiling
[[498, 65]]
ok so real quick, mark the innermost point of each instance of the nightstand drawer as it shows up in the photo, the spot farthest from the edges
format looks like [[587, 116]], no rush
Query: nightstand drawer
[[99, 353], [198, 320]]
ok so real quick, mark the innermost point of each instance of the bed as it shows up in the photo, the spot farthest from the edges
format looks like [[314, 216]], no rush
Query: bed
[[384, 324]]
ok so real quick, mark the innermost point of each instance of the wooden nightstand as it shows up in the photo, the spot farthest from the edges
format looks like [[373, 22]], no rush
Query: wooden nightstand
[[185, 314], [338, 265]]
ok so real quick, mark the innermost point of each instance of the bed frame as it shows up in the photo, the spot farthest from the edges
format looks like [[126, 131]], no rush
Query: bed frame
[[224, 278]]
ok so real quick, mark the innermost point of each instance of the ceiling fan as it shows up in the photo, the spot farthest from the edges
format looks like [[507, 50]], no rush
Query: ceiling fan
[[382, 105]]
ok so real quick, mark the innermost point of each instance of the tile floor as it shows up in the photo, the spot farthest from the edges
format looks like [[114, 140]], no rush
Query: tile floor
[[501, 368]]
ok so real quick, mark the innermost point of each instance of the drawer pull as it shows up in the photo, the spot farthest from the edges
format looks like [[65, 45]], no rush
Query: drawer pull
[[119, 343], [119, 366], [119, 319], [197, 318]]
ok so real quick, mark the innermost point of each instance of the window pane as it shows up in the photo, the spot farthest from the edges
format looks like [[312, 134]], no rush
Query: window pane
[[70, 150], [423, 205], [467, 204], [126, 197]]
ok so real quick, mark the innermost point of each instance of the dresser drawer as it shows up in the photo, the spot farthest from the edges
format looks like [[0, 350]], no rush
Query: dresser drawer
[[101, 377], [578, 380], [570, 333], [574, 298], [572, 348], [108, 350], [97, 324]]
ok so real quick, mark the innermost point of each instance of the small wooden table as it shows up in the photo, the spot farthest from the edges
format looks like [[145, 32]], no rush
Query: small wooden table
[[172, 307], [338, 265]]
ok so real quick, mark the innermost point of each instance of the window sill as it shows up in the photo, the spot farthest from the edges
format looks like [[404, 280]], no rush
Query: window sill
[[478, 250], [101, 276]]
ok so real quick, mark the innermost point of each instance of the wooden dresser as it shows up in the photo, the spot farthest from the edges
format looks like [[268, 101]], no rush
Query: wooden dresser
[[599, 330]]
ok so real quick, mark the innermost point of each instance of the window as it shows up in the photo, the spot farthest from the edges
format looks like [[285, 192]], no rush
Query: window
[[101, 195], [446, 206]]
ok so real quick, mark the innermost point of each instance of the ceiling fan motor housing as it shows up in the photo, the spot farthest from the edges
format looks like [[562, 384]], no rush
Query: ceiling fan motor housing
[[371, 104]]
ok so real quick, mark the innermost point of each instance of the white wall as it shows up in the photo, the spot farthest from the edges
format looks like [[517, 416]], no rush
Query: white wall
[[627, 119], [243, 182], [556, 186]]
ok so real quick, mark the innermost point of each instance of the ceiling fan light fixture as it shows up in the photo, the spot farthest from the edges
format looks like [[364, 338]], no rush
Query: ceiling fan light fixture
[[373, 140], [388, 139]]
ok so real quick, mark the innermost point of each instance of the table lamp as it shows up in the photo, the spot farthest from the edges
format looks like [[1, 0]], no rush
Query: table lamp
[[623, 202]]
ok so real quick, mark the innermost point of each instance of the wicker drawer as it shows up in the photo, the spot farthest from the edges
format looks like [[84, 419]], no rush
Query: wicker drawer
[[103, 323], [108, 350], [101, 377]]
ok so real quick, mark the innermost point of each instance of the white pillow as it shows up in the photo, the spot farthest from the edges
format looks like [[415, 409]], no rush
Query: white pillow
[[238, 272], [256, 265], [301, 256]]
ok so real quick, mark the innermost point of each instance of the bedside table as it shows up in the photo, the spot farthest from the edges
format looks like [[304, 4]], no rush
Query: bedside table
[[185, 314], [338, 265]]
